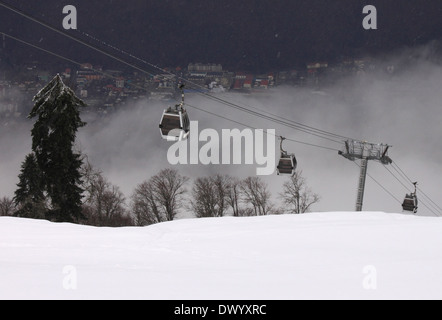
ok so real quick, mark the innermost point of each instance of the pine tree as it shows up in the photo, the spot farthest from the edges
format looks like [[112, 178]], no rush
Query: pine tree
[[53, 136]]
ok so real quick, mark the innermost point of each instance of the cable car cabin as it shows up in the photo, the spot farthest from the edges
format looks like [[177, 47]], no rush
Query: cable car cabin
[[410, 203], [175, 125], [287, 165]]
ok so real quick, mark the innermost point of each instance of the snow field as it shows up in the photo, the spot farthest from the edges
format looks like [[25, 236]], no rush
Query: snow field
[[341, 255]]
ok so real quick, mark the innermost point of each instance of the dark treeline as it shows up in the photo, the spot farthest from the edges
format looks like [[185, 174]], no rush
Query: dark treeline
[[59, 184], [168, 194]]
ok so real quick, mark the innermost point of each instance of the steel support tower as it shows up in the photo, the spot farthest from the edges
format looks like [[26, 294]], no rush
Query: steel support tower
[[365, 151]]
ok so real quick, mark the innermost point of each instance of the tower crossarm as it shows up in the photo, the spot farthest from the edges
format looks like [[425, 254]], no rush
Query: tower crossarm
[[364, 151], [354, 150]]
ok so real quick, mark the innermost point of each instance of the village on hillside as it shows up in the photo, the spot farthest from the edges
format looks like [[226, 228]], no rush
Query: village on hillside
[[108, 90]]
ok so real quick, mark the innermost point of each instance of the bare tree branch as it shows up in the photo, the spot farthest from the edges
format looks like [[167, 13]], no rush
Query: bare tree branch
[[160, 198], [297, 197], [256, 192], [7, 207]]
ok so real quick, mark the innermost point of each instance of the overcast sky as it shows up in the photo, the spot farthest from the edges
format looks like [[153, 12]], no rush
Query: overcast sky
[[241, 35]]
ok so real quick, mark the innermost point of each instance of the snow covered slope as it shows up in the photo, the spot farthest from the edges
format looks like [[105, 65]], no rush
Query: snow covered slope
[[315, 256]]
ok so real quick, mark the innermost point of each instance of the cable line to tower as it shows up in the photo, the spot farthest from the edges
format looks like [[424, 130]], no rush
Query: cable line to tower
[[200, 109], [245, 108]]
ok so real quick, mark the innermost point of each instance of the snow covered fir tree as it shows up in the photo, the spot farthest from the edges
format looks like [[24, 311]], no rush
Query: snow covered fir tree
[[53, 166], [29, 197]]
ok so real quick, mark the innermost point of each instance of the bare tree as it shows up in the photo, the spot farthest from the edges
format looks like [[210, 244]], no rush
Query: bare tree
[[160, 198], [255, 192], [145, 207], [7, 207], [104, 203], [234, 196], [296, 195], [204, 198], [221, 184], [210, 196], [168, 187]]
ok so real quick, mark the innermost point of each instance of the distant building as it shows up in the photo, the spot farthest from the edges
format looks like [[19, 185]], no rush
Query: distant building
[[261, 83], [119, 83], [238, 84], [238, 80], [67, 73], [87, 75], [315, 71], [248, 81], [199, 67], [317, 65], [9, 108], [86, 66]]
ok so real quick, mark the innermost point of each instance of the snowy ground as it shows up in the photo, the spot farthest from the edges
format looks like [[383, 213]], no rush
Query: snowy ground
[[315, 256]]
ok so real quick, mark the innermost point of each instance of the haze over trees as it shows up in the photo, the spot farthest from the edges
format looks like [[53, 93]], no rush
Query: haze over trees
[[59, 184]]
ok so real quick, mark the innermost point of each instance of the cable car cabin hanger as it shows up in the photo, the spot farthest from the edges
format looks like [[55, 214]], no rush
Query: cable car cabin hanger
[[287, 163], [175, 123]]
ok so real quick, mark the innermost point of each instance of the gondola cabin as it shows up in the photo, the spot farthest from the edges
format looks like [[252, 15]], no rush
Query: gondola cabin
[[287, 162], [410, 203], [287, 165], [175, 125]]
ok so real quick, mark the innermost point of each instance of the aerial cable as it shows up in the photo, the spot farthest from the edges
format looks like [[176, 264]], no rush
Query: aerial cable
[[139, 87], [58, 55], [303, 128], [273, 117], [20, 12], [395, 166], [303, 125], [23, 14], [379, 184], [433, 210], [270, 116], [403, 184], [264, 130], [406, 187], [402, 174], [429, 199], [418, 188]]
